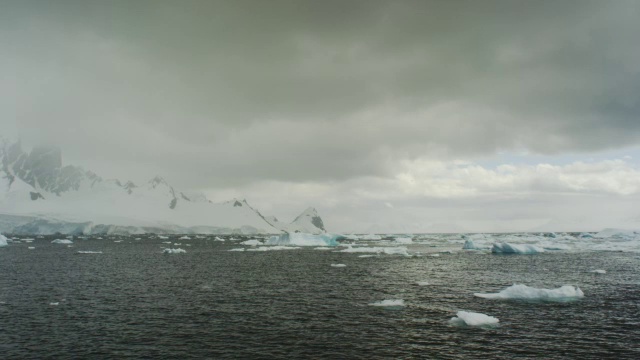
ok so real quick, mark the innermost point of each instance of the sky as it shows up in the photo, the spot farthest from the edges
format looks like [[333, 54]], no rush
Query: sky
[[386, 116]]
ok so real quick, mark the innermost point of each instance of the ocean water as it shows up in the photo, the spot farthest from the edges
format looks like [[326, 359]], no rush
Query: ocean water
[[133, 301]]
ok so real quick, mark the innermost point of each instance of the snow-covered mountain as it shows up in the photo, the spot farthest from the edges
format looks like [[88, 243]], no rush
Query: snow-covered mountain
[[307, 222], [39, 195]]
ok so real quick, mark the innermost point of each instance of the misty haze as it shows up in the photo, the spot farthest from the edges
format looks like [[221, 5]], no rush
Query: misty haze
[[292, 179]]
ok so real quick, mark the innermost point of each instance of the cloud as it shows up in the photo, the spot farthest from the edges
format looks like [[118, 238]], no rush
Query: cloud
[[232, 95]]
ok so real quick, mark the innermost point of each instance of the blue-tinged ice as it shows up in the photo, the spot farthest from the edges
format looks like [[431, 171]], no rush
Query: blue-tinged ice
[[508, 248]]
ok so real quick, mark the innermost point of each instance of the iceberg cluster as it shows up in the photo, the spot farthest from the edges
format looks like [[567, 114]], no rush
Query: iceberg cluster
[[467, 318], [301, 239], [507, 248], [523, 292]]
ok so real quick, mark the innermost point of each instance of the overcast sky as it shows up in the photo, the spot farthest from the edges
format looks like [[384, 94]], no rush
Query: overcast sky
[[384, 115]]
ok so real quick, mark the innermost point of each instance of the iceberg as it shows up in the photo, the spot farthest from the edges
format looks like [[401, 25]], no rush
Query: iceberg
[[523, 292], [302, 239], [507, 248], [389, 303], [400, 250], [467, 318], [62, 241], [173, 251], [3, 241]]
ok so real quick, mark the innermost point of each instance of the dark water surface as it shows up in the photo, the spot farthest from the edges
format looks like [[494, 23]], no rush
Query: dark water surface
[[132, 301]]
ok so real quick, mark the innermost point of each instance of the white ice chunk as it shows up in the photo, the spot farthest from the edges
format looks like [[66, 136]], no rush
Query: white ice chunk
[[3, 240], [599, 271], [89, 252], [252, 242], [218, 239], [523, 292], [473, 319], [271, 248], [323, 248], [404, 240], [173, 251], [423, 283], [389, 303], [62, 241], [338, 265], [400, 250], [237, 249], [184, 238], [508, 248]]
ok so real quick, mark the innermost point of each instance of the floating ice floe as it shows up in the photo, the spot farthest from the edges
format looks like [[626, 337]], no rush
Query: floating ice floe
[[523, 292], [62, 241], [252, 242], [467, 318], [423, 283], [31, 248], [324, 248], [218, 239], [173, 251], [166, 242], [338, 265], [599, 271], [301, 239], [88, 252], [507, 248], [403, 240], [272, 248], [184, 238], [400, 250], [162, 237], [366, 256], [398, 303], [3, 241], [237, 249], [54, 303]]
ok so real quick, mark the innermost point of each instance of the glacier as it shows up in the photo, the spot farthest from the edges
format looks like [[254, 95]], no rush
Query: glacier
[[467, 318], [523, 292]]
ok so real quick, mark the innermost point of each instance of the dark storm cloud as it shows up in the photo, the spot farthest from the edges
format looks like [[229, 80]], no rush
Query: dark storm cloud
[[229, 92]]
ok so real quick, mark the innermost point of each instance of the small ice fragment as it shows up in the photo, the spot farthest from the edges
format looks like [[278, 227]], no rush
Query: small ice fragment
[[173, 251], [62, 241], [252, 242], [422, 283], [237, 249], [322, 248], [31, 247], [389, 303], [185, 238], [89, 252], [599, 271], [366, 256], [338, 265], [467, 318], [54, 303]]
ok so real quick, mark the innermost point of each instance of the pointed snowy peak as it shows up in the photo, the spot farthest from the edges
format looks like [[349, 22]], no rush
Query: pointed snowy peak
[[129, 186], [157, 181], [309, 221]]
